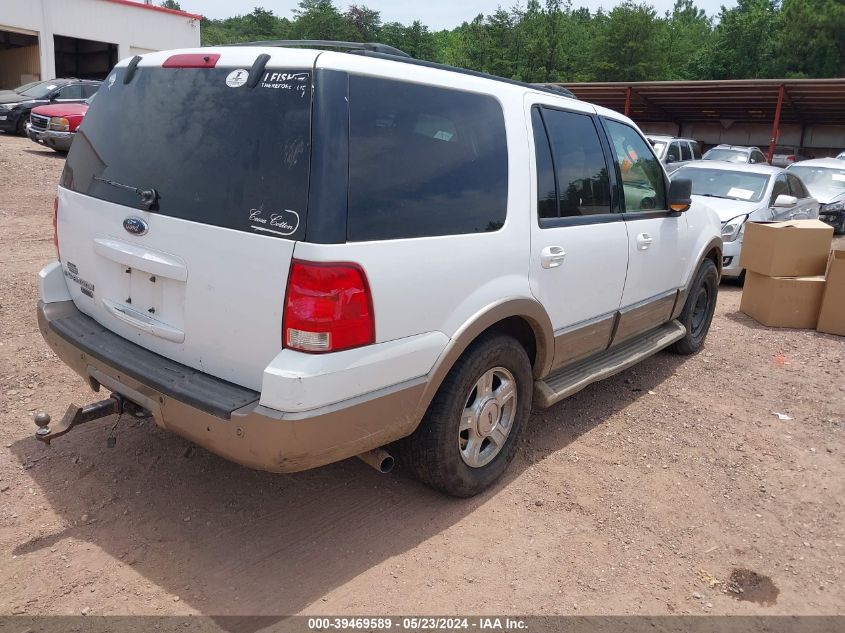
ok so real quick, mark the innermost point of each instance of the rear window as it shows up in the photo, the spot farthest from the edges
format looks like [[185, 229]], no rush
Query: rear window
[[424, 161], [215, 150]]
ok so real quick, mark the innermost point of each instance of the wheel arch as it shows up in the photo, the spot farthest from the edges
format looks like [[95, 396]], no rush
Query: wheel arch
[[524, 319]]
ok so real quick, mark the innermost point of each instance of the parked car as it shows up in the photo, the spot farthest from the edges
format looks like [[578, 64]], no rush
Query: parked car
[[784, 156], [478, 246], [674, 152], [15, 106], [739, 193], [55, 126], [825, 178], [736, 154]]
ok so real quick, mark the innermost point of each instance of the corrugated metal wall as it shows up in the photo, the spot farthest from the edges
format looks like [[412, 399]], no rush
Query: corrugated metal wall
[[18, 66]]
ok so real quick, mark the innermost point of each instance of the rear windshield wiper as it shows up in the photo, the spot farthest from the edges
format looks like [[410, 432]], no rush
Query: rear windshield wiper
[[149, 197]]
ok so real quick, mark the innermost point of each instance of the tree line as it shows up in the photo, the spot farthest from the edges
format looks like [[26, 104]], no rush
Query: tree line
[[550, 40]]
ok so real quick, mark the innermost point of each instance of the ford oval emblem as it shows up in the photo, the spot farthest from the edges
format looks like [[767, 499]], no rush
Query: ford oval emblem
[[136, 226]]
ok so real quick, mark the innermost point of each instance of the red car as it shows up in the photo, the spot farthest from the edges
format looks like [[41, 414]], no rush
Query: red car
[[54, 126]]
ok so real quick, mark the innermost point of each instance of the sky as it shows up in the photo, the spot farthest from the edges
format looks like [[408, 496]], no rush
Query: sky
[[436, 14]]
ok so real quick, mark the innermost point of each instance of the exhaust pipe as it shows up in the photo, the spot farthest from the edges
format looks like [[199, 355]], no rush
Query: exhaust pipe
[[379, 459]]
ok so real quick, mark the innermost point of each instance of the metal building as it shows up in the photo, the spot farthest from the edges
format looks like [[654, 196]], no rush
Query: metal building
[[798, 113], [46, 39]]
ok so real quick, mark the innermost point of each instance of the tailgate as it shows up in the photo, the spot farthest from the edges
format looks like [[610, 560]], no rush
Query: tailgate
[[199, 275]]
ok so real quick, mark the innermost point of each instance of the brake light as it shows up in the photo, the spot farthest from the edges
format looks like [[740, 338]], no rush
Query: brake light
[[328, 307], [56, 226], [191, 60], [791, 157]]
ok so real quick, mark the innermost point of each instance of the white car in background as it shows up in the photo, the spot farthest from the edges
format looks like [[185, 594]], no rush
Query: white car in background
[[825, 178], [741, 192]]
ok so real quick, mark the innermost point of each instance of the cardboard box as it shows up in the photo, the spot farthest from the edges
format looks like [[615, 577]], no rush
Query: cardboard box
[[783, 301], [832, 314], [797, 248]]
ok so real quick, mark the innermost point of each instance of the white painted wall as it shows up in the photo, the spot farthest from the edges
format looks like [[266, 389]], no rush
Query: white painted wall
[[129, 27]]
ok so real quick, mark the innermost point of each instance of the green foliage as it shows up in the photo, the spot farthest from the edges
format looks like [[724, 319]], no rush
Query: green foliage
[[549, 40], [171, 4]]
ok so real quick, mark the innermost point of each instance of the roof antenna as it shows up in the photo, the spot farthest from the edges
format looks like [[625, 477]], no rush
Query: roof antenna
[[131, 68]]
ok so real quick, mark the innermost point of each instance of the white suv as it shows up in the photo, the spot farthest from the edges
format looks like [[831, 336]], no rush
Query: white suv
[[293, 256]]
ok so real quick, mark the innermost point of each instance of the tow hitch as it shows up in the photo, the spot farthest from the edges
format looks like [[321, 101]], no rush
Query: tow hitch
[[76, 415]]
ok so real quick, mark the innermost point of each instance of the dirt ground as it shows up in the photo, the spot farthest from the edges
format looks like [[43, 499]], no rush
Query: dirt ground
[[643, 494]]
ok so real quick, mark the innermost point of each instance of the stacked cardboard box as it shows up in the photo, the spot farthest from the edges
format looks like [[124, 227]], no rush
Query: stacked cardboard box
[[792, 279]]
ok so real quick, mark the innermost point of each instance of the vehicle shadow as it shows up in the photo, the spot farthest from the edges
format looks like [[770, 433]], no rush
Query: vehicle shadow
[[46, 152], [232, 541]]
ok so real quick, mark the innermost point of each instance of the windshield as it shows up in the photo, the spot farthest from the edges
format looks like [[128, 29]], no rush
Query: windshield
[[214, 150], [729, 155], [26, 87], [823, 182], [723, 183], [39, 90]]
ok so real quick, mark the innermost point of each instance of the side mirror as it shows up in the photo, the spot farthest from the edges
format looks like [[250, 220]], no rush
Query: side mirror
[[672, 158], [783, 201], [680, 195]]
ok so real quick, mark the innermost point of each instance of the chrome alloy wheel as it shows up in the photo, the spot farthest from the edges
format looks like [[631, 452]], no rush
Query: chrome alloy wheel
[[487, 418]]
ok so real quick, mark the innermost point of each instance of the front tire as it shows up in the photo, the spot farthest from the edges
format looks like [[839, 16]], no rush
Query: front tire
[[698, 310], [470, 432]]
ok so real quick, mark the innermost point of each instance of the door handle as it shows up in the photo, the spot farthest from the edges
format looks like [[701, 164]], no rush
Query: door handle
[[644, 240], [552, 256]]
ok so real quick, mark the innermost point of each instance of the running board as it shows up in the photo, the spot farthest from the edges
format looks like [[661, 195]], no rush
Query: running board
[[573, 378]]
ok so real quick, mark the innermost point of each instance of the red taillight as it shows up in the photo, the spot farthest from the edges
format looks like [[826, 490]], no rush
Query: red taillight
[[191, 60], [56, 226], [328, 307], [792, 158]]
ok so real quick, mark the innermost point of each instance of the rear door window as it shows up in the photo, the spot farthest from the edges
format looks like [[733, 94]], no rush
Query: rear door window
[[424, 161], [71, 92], [686, 154], [580, 170], [235, 157]]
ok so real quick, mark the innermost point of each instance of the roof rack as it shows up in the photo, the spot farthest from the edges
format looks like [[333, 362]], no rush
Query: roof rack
[[383, 51], [349, 46]]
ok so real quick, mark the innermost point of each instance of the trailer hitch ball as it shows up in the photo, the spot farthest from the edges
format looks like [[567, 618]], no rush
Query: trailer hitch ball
[[42, 421]]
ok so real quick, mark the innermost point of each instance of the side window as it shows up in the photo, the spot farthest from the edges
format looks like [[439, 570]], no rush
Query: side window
[[71, 92], [546, 184], [583, 184], [696, 150], [642, 176], [758, 157], [796, 187], [686, 154], [674, 153], [781, 188], [424, 161], [88, 90]]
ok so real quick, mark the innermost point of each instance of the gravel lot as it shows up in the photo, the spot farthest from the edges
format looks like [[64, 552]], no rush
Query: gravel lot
[[648, 493]]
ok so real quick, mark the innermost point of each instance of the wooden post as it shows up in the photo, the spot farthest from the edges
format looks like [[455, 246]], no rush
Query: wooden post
[[628, 91], [776, 125]]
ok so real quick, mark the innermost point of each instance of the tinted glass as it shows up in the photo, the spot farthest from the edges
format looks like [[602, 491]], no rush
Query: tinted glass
[[89, 90], [724, 183], [424, 161], [696, 151], [686, 154], [233, 157], [71, 92], [781, 188], [546, 188], [796, 187], [758, 157], [674, 153], [582, 180], [642, 176]]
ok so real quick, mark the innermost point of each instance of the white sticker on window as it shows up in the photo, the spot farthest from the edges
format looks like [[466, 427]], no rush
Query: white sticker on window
[[444, 136], [52, 87], [736, 192], [839, 177], [237, 78]]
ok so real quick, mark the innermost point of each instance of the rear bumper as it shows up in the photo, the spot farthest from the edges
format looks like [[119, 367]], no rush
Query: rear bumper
[[59, 141], [224, 418]]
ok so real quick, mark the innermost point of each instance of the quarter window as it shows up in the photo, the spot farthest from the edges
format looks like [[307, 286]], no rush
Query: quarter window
[[578, 168], [424, 161], [642, 176]]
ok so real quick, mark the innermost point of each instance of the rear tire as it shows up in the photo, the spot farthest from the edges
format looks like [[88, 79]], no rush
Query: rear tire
[[20, 128], [698, 310], [470, 432]]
